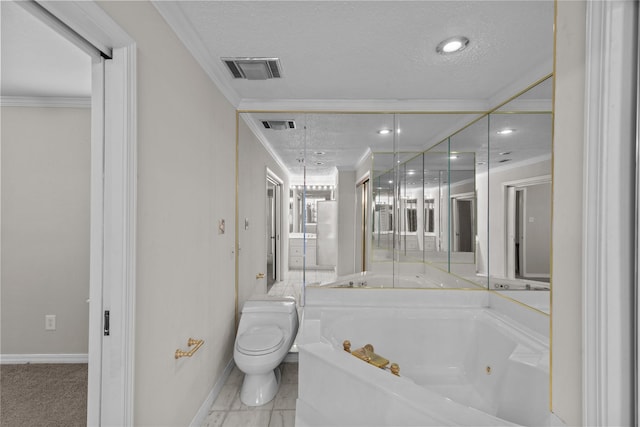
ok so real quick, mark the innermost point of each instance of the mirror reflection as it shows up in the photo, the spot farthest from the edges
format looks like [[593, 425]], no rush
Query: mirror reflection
[[441, 200]]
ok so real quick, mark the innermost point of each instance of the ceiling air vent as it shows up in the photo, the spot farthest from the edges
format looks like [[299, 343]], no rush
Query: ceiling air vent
[[279, 124], [254, 68]]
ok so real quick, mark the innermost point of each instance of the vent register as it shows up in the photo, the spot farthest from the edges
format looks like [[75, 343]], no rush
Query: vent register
[[254, 68], [259, 69]]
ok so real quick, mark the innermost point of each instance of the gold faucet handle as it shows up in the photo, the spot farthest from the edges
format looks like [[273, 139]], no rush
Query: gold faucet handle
[[346, 345], [395, 369]]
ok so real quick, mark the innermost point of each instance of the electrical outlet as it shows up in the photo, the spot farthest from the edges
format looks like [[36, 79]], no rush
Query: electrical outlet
[[50, 322]]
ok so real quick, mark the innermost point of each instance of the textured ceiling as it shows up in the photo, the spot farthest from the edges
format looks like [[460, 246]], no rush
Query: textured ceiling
[[365, 56]]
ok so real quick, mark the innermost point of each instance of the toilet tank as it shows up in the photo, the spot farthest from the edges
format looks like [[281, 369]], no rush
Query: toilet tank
[[270, 305]]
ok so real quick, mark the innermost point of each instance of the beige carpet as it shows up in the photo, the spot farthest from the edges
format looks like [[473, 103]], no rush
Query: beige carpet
[[43, 395]]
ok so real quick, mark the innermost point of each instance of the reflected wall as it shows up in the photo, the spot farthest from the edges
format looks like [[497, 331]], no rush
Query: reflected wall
[[475, 205]]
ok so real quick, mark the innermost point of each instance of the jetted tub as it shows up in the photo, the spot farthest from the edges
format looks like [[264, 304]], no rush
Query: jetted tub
[[461, 362], [434, 279]]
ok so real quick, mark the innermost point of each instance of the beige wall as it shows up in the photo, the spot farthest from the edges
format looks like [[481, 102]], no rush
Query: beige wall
[[567, 198], [253, 163], [45, 229], [185, 268]]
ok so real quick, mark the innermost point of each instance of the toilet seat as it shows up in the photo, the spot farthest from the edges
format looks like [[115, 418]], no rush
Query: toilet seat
[[260, 340]]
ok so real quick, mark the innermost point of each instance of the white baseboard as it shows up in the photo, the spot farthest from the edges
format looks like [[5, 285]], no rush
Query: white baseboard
[[15, 359], [203, 412]]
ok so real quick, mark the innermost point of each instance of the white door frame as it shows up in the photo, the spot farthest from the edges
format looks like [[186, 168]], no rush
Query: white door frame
[[608, 226], [113, 212], [454, 244], [508, 193], [279, 199]]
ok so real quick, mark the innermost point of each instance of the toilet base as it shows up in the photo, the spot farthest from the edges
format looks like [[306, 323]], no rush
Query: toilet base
[[259, 389]]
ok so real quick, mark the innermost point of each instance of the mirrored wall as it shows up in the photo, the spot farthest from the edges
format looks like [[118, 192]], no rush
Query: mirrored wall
[[442, 200], [475, 205]]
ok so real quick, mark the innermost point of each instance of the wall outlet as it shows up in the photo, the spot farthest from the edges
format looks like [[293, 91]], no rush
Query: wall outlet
[[50, 322]]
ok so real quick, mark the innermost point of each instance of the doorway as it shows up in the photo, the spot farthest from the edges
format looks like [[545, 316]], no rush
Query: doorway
[[273, 228], [362, 224], [463, 222], [528, 225]]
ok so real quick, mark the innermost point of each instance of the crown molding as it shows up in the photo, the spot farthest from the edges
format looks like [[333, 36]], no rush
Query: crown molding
[[45, 101], [528, 80], [178, 21], [253, 127], [366, 105]]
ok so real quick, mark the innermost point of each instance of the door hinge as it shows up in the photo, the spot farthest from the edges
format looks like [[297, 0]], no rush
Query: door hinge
[[106, 323]]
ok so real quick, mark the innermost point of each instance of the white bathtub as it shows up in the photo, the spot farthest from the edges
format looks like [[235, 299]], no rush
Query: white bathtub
[[433, 279], [461, 362]]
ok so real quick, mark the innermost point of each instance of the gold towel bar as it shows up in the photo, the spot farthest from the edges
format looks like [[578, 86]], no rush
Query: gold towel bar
[[190, 343]]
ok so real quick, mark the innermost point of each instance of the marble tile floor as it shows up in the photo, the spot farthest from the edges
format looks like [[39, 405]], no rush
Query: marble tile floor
[[229, 411]]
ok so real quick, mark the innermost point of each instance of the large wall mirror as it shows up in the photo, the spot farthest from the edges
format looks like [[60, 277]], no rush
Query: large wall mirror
[[452, 200]]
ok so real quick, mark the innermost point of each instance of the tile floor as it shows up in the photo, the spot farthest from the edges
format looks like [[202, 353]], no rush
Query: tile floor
[[229, 411]]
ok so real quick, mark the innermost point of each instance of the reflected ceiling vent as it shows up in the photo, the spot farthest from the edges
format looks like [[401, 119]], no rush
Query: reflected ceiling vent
[[278, 124], [254, 68]]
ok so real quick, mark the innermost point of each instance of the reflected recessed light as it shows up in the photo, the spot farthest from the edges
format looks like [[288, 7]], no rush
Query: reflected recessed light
[[452, 45], [390, 182], [505, 131], [504, 153], [384, 131], [411, 172], [319, 153], [453, 157]]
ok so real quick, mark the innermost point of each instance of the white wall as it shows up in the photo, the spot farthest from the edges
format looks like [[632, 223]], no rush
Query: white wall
[[567, 219], [253, 163], [537, 223], [185, 268], [45, 229], [347, 233]]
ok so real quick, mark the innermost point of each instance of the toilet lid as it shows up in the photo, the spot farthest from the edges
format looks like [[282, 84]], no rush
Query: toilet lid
[[260, 340]]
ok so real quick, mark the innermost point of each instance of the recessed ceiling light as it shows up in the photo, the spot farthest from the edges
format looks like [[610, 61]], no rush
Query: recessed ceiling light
[[319, 153], [319, 163], [504, 153], [452, 45], [384, 131], [505, 131], [480, 163]]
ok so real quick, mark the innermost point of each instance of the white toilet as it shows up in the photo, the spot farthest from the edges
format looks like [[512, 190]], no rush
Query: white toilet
[[267, 329]]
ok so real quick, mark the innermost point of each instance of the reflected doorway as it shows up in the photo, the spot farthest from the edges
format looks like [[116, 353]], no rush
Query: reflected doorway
[[362, 224], [463, 220], [274, 196], [528, 230]]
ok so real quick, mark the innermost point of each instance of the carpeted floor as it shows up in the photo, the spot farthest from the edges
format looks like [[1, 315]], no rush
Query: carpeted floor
[[37, 395]]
